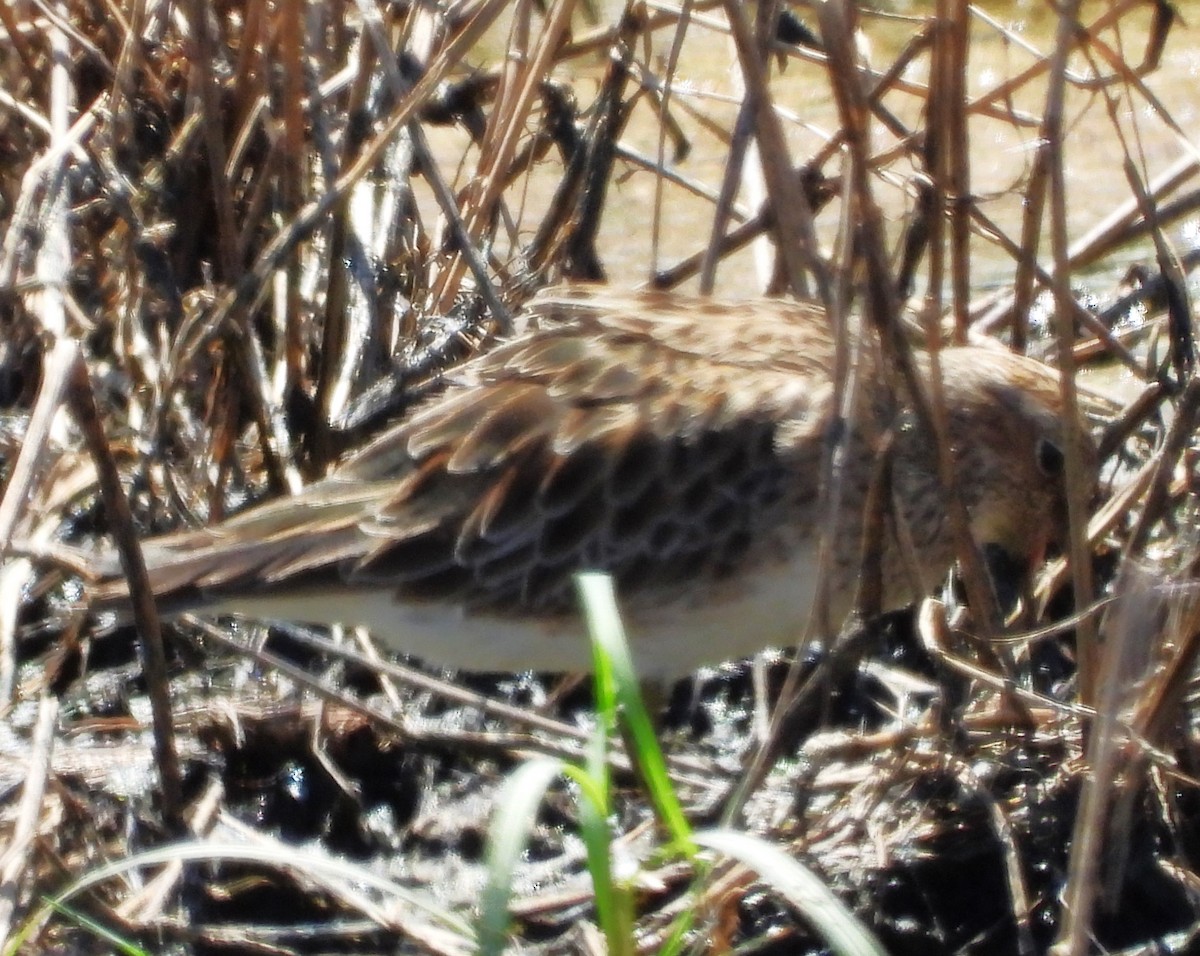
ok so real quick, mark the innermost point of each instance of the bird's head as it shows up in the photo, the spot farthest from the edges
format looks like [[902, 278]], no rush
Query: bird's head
[[1008, 429]]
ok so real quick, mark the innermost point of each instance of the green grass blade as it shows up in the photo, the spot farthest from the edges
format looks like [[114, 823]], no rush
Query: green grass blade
[[511, 825], [829, 916], [608, 636], [611, 909], [508, 837], [119, 943]]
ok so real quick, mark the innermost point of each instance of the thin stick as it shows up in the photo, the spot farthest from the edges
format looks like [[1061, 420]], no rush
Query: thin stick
[[25, 471], [793, 216], [14, 861], [1081, 887], [883, 311], [145, 614]]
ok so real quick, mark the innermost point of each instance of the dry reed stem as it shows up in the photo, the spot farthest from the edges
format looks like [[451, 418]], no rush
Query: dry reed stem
[[883, 312], [14, 860], [152, 653], [946, 150], [1079, 882], [500, 142], [793, 218], [219, 162]]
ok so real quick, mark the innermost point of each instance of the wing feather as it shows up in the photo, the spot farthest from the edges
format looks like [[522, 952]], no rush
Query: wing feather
[[632, 441]]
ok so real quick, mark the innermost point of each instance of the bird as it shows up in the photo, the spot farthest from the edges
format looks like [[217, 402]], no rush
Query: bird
[[673, 441]]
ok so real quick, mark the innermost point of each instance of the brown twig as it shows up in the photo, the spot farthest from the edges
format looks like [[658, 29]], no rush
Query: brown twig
[[150, 644]]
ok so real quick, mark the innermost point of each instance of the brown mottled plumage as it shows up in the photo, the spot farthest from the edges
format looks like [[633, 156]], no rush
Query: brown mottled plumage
[[675, 442]]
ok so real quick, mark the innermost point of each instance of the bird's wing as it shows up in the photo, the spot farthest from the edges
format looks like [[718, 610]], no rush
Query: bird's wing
[[642, 442]]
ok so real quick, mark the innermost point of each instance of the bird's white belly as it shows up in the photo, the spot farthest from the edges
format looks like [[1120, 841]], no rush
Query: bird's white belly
[[768, 607]]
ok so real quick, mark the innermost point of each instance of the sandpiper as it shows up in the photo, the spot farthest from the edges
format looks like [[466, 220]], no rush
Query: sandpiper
[[676, 442]]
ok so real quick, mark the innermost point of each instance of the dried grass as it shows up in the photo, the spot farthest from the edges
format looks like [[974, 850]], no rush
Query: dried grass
[[258, 232]]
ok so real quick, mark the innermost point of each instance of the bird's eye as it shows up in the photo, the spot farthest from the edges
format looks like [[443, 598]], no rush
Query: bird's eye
[[1049, 458]]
